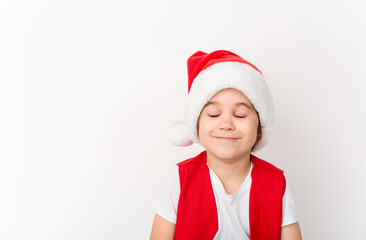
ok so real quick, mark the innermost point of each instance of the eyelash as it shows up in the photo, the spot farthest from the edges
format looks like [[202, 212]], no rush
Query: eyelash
[[213, 116]]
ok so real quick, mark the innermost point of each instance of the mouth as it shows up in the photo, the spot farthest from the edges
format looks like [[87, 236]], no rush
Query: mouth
[[227, 138]]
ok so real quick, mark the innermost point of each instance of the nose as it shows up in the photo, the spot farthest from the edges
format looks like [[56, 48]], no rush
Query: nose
[[226, 123]]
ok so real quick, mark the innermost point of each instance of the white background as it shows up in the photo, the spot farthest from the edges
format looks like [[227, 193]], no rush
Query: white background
[[88, 90]]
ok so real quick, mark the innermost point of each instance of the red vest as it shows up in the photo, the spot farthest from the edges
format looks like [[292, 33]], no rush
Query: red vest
[[197, 213]]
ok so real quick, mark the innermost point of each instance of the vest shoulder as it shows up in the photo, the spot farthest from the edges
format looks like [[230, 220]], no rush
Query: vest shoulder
[[193, 160], [264, 164]]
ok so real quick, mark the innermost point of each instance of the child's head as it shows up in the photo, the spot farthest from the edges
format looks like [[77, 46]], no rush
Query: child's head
[[229, 124], [225, 77]]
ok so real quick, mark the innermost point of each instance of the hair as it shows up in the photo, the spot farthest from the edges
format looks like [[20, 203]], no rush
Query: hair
[[259, 132]]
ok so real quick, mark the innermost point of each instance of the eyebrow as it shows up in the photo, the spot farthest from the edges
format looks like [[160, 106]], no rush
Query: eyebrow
[[236, 104]]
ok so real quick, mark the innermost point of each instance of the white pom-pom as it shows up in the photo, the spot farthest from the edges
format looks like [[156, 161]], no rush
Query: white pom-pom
[[180, 135]]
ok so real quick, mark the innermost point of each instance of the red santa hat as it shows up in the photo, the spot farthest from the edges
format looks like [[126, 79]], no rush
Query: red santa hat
[[210, 73]]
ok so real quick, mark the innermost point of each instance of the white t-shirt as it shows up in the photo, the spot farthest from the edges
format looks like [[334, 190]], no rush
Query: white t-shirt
[[233, 209]]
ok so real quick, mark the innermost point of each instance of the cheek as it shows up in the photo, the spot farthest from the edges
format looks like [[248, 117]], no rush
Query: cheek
[[250, 126], [202, 126]]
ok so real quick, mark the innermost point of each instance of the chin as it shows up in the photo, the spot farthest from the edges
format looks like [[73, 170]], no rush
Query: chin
[[227, 153], [224, 154]]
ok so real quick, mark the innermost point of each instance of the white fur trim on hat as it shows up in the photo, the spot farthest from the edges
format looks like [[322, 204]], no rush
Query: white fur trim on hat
[[180, 134], [219, 76]]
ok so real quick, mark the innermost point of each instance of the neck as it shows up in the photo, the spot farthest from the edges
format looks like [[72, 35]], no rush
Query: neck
[[229, 168]]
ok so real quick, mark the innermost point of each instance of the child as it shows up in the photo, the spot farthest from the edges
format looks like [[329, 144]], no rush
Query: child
[[225, 192]]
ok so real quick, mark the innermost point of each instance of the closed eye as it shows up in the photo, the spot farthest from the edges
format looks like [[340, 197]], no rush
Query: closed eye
[[213, 116]]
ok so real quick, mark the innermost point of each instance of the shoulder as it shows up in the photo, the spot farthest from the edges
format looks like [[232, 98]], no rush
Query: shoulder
[[268, 175], [171, 180], [268, 172], [258, 162]]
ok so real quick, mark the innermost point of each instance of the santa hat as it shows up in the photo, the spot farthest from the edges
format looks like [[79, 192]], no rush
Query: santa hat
[[210, 73]]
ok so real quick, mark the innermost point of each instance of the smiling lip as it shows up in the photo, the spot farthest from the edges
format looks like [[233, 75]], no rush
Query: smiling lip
[[227, 138]]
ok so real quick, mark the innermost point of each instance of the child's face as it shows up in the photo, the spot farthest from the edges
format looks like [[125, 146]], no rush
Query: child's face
[[228, 125]]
